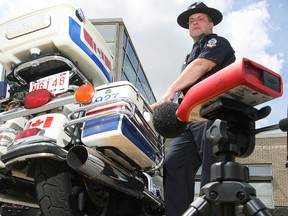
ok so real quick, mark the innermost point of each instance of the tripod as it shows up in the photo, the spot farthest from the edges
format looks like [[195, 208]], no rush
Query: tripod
[[231, 136]]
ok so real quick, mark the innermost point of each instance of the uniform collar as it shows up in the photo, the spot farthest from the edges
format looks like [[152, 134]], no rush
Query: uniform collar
[[201, 38]]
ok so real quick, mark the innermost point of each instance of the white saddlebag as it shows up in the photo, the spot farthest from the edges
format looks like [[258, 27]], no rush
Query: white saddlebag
[[119, 125]]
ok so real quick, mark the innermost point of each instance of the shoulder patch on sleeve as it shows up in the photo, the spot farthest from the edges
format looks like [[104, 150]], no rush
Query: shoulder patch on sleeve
[[212, 42]]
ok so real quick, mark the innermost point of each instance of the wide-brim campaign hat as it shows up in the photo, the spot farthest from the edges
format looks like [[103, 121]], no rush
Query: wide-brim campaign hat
[[199, 7]]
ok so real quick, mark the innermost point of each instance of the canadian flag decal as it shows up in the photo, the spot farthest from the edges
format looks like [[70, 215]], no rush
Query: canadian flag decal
[[40, 123]]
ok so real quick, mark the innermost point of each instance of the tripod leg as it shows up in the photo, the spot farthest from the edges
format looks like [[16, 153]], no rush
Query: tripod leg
[[198, 207], [254, 207]]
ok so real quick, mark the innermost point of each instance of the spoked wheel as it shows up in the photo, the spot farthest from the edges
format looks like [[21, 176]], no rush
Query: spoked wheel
[[61, 192]]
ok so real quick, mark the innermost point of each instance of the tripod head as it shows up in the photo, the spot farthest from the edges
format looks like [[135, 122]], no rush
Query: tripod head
[[234, 123]]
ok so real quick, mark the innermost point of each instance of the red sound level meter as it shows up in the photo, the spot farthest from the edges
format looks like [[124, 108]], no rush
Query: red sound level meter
[[244, 81]]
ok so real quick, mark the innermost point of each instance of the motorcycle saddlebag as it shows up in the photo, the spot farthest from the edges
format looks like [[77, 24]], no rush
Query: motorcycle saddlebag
[[119, 126]]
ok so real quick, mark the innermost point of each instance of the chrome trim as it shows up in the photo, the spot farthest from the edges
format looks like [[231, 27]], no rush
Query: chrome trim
[[6, 198], [92, 163], [21, 111], [36, 62], [97, 167], [16, 154], [4, 143], [157, 166], [22, 143], [8, 130], [155, 199], [33, 156], [99, 106], [150, 184]]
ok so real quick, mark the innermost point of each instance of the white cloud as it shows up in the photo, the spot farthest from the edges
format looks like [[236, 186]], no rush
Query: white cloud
[[18, 7], [248, 32], [221, 5]]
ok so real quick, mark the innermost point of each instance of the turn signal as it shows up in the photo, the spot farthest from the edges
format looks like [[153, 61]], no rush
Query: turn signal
[[85, 93]]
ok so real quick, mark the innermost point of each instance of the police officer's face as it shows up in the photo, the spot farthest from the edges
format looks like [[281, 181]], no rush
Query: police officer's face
[[199, 23]]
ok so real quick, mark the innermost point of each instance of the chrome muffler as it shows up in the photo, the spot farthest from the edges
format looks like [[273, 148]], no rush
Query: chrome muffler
[[95, 166]]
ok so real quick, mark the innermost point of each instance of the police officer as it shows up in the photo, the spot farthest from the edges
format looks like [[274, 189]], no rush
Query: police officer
[[190, 150]]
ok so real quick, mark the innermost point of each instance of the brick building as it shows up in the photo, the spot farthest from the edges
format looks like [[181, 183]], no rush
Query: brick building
[[268, 171]]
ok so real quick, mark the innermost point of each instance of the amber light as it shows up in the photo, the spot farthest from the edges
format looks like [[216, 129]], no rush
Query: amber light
[[85, 93]]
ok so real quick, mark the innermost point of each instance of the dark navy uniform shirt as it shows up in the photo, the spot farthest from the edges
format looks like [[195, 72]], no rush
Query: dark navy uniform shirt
[[214, 48]]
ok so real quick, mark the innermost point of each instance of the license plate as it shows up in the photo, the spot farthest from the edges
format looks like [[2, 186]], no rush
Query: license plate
[[56, 84]]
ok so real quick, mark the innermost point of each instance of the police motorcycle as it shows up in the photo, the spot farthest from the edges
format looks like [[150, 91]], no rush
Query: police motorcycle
[[84, 144]]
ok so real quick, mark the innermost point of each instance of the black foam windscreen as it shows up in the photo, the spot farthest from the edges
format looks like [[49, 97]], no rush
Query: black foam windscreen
[[166, 122], [283, 124]]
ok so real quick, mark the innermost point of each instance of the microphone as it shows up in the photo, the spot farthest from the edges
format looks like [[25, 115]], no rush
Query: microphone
[[283, 124], [166, 122]]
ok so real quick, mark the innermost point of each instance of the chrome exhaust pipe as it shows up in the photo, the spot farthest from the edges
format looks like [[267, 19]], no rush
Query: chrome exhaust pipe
[[95, 166]]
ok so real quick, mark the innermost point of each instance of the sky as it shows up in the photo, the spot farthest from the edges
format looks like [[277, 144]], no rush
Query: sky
[[255, 29]]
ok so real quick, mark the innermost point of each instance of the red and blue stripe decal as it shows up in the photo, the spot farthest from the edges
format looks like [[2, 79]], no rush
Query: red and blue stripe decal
[[75, 35]]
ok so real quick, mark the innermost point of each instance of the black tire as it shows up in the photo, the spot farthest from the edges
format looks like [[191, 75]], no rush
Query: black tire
[[62, 193], [54, 188]]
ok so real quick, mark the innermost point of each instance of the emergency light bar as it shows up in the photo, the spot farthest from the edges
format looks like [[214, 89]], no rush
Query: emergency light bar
[[244, 81]]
